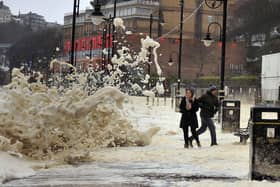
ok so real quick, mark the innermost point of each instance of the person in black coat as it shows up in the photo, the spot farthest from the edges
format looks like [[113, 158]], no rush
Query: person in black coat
[[209, 105], [188, 108]]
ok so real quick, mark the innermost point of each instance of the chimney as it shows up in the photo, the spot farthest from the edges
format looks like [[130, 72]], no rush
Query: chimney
[[1, 4]]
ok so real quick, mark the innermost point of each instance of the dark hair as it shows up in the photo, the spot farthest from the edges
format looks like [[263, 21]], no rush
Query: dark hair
[[212, 88], [191, 89]]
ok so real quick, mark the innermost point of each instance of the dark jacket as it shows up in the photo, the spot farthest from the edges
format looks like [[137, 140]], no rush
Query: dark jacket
[[209, 105], [189, 117]]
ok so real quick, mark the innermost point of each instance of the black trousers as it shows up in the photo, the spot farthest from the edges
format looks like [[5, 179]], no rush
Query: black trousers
[[186, 134]]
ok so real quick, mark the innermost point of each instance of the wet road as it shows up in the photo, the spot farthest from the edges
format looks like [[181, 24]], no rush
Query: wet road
[[123, 174]]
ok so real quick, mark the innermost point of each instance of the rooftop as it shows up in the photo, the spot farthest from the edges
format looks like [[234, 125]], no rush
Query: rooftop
[[109, 4], [2, 6], [31, 14]]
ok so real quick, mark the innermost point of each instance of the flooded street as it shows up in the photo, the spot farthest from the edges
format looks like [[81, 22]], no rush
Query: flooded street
[[152, 93], [162, 163], [122, 174]]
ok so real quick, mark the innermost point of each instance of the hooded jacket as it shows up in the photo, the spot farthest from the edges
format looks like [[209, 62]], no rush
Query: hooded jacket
[[209, 105]]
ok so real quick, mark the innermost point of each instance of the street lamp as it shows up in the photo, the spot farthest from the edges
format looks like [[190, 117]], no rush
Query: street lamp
[[214, 4], [114, 29], [75, 56], [90, 48], [56, 53], [97, 16], [57, 49], [161, 23], [110, 23], [75, 14], [180, 45], [170, 61], [208, 40], [104, 39]]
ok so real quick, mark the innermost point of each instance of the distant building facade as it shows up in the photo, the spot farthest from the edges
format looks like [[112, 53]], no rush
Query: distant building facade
[[52, 25], [5, 13], [136, 15], [166, 15], [33, 20]]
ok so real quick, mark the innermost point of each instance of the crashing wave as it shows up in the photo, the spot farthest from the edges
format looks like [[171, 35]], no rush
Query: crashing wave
[[41, 123]]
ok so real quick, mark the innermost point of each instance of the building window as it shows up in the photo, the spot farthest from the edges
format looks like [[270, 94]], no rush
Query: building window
[[121, 13], [210, 19], [133, 11]]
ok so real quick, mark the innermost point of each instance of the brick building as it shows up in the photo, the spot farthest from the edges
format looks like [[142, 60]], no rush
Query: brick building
[[136, 15], [197, 59]]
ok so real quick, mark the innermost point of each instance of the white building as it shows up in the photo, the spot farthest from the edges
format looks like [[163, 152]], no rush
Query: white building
[[33, 20], [5, 13], [271, 77]]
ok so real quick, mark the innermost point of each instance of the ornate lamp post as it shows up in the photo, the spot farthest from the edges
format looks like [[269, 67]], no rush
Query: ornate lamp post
[[114, 29], [171, 61], [208, 40], [98, 18], [180, 45], [75, 14], [90, 48], [214, 4]]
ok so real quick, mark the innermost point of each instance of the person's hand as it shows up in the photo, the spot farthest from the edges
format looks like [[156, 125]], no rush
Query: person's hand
[[189, 106]]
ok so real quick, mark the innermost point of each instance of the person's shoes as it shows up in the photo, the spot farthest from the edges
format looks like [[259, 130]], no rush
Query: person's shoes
[[191, 144], [186, 146], [198, 144], [214, 144]]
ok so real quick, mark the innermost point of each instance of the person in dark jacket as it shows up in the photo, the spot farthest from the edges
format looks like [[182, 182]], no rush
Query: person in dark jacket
[[188, 108], [209, 105]]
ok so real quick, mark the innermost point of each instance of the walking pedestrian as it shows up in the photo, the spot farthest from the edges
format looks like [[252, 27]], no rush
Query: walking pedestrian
[[188, 108], [209, 105]]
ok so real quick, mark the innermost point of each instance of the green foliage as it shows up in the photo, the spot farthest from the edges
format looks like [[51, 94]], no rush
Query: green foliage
[[205, 81], [38, 47], [210, 78], [243, 81], [12, 32], [171, 79], [244, 78], [255, 16]]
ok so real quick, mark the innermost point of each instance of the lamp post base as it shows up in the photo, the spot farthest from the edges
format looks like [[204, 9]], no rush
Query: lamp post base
[[221, 98]]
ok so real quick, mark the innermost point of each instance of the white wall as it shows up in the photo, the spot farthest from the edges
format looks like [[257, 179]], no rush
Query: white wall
[[270, 77]]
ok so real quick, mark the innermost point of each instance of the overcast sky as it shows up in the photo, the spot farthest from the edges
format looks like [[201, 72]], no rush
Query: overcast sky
[[52, 10]]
